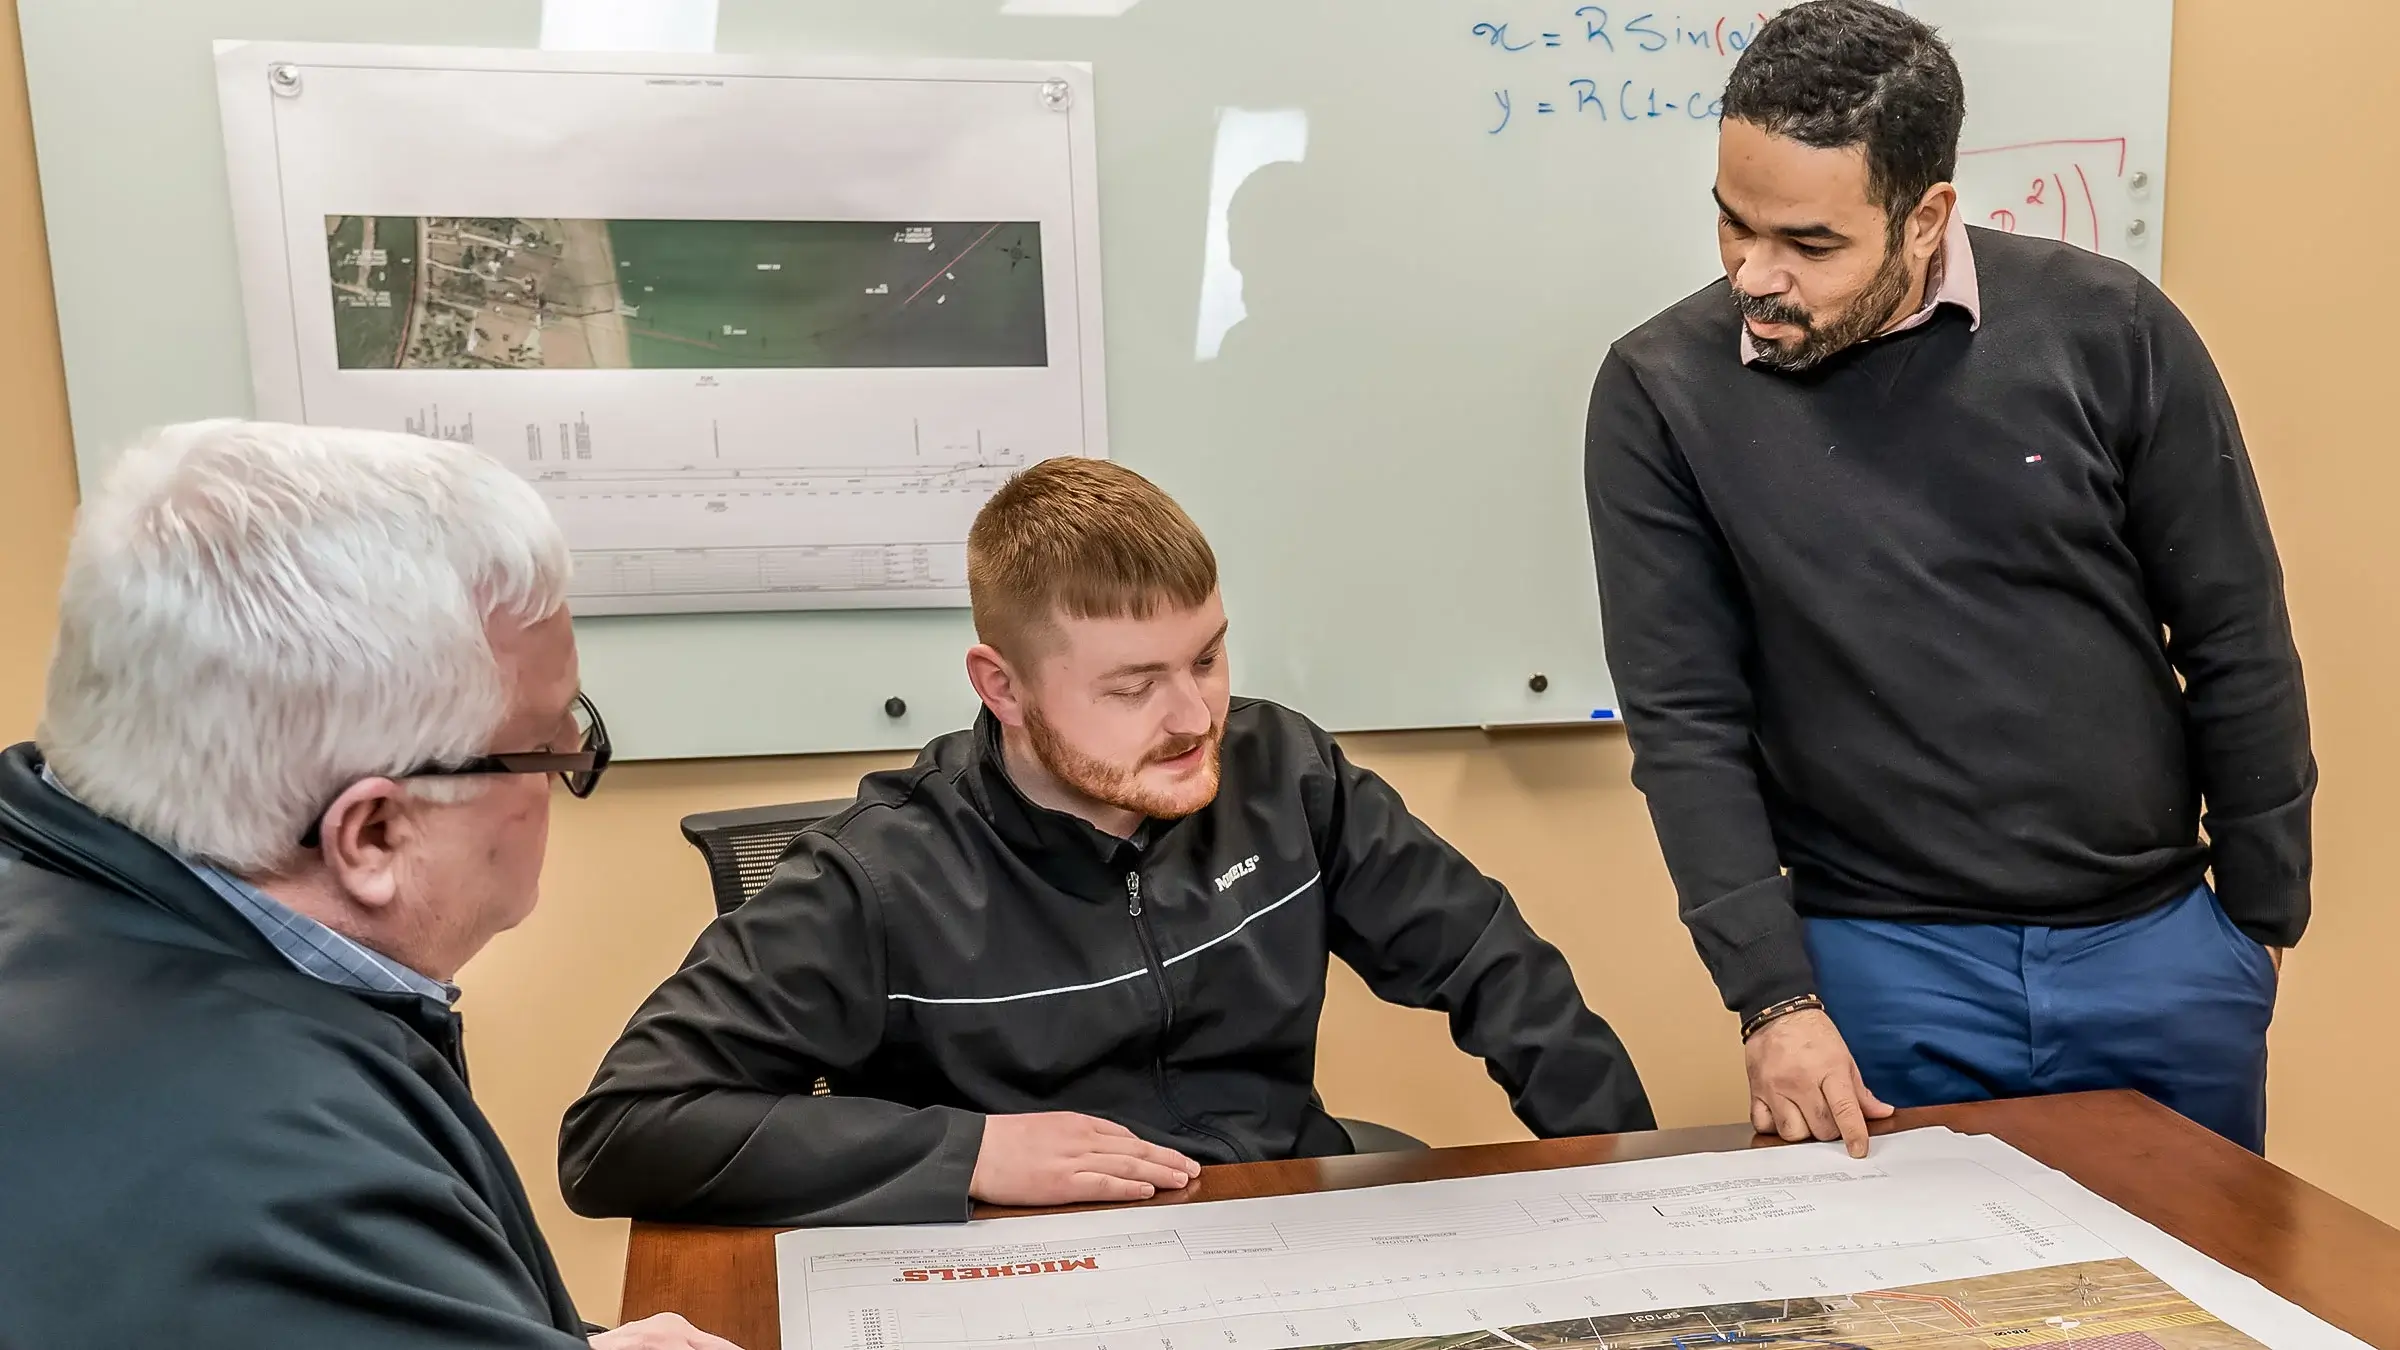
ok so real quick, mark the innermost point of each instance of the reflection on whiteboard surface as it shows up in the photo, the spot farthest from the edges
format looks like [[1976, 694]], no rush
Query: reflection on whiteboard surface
[[1939, 1241], [751, 363], [1247, 141], [453, 293]]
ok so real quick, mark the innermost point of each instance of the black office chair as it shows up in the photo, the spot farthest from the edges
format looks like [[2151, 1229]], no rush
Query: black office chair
[[742, 848]]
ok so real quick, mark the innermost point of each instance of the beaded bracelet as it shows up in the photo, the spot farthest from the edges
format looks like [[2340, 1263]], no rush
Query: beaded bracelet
[[1783, 1009]]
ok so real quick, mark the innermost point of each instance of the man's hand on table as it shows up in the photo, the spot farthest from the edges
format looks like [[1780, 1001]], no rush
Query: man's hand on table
[[666, 1331], [1805, 1085], [1061, 1158]]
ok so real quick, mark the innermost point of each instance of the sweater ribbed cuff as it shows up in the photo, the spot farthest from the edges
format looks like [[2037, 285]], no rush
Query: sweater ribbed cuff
[[1749, 939]]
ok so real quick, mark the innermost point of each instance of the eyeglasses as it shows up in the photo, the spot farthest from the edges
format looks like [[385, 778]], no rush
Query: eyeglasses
[[579, 769]]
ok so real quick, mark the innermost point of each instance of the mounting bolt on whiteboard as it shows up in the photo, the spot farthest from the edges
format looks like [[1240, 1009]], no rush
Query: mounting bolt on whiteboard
[[2138, 230], [2139, 182], [1539, 684], [1057, 95], [284, 79], [895, 707]]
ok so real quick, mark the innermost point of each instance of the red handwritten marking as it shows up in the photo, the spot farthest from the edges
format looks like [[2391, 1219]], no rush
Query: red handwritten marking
[[2007, 219], [2117, 141], [2092, 202], [1720, 35], [2062, 207], [937, 272]]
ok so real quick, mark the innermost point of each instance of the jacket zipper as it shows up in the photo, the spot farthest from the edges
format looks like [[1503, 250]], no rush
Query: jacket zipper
[[1166, 1015]]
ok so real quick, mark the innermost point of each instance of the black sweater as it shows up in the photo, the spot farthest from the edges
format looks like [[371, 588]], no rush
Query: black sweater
[[1900, 637]]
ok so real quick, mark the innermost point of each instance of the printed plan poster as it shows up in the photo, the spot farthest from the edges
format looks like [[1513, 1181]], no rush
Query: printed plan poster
[[1938, 1241], [765, 333]]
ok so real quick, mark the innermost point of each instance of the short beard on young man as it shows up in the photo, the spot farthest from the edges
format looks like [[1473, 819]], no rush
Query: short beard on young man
[[1120, 785]]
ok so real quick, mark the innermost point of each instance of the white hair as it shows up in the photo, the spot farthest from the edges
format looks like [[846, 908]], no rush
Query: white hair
[[256, 616]]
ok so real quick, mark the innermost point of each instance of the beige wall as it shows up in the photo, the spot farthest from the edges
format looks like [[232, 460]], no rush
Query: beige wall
[[2275, 221], [2268, 223], [37, 467]]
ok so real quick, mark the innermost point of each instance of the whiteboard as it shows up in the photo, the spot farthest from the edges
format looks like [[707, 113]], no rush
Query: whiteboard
[[1352, 311]]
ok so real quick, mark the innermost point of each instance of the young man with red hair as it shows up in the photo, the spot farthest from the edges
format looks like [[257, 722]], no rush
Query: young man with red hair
[[1079, 949]]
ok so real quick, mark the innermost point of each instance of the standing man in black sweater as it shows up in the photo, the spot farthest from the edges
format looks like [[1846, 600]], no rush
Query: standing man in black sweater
[[1942, 602]]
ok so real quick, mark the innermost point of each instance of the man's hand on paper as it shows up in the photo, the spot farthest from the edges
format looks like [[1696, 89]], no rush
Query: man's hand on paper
[[1060, 1158], [1805, 1085], [666, 1331]]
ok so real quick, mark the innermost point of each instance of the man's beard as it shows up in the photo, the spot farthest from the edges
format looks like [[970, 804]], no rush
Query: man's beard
[[1864, 318], [1121, 786]]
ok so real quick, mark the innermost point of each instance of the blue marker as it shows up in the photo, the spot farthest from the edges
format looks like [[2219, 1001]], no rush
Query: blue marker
[[1604, 714]]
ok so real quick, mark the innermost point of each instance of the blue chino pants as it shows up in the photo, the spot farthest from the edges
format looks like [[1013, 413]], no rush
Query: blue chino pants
[[2173, 1003]]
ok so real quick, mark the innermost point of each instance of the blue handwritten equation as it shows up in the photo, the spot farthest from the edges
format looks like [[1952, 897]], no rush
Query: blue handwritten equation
[[1592, 35]]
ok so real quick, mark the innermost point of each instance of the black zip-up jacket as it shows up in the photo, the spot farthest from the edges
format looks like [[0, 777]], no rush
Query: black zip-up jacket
[[200, 1145], [946, 949]]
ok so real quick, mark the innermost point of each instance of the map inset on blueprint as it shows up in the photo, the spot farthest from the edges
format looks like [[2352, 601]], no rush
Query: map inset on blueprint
[[493, 293]]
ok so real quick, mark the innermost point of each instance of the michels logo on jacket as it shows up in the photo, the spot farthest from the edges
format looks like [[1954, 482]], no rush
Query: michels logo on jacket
[[1236, 872], [995, 1272]]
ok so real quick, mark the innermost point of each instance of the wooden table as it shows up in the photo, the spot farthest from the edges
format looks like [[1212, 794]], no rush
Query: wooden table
[[2291, 1237]]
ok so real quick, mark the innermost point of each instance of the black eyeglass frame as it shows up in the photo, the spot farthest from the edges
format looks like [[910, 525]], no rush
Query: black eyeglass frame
[[580, 770]]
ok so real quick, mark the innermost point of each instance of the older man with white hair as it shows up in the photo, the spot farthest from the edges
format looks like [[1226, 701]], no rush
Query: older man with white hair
[[291, 773]]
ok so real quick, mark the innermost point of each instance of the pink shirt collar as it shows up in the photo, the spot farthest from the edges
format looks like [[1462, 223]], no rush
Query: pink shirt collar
[[1950, 281]]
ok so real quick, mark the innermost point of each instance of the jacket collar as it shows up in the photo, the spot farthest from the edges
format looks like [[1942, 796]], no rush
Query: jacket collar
[[59, 834], [1066, 850]]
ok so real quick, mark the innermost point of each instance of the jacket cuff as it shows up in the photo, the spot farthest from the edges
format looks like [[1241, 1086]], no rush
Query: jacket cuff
[[1749, 939], [951, 1169]]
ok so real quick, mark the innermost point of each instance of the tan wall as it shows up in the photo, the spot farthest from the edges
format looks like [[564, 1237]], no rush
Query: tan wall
[[37, 464], [2262, 253], [2274, 249]]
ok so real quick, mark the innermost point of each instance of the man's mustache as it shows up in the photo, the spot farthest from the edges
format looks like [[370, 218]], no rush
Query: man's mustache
[[1177, 748], [1767, 309]]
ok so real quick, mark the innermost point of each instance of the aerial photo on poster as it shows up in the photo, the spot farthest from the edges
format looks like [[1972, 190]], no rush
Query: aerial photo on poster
[[506, 293], [2090, 1305]]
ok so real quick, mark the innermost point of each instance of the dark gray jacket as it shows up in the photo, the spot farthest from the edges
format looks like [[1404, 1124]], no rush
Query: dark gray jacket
[[946, 949], [202, 1146]]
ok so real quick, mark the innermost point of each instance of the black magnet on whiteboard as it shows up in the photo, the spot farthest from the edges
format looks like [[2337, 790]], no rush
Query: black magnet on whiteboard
[[895, 706], [1539, 684]]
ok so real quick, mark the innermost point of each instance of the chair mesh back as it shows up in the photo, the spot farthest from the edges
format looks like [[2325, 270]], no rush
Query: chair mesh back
[[755, 856], [742, 847]]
